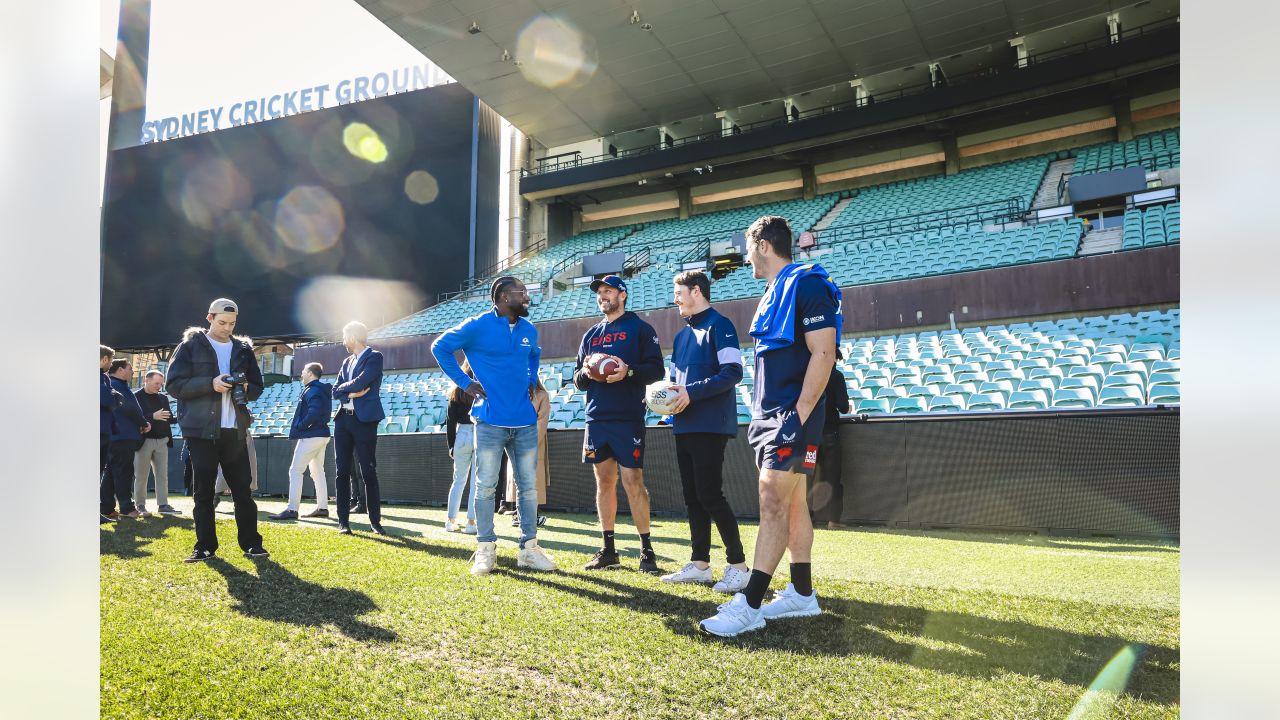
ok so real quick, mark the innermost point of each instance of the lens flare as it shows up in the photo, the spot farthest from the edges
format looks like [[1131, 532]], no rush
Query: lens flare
[[327, 302], [1111, 681], [551, 52], [210, 190], [421, 187], [309, 219], [364, 142]]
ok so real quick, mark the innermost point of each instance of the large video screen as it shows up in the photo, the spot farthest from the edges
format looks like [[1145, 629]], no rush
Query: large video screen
[[360, 212]]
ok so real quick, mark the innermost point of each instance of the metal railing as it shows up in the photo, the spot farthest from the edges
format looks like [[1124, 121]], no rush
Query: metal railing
[[636, 262], [885, 96]]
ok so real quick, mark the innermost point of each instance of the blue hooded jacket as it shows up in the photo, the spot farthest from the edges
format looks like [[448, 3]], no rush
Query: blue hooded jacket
[[773, 326]]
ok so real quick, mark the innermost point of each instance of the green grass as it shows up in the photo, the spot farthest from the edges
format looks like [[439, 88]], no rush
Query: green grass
[[915, 625]]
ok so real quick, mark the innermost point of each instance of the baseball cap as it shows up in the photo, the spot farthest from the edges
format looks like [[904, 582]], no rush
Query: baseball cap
[[612, 281], [223, 305]]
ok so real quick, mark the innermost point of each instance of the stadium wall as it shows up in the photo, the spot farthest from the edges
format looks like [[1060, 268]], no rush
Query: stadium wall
[[1084, 284], [1080, 472]]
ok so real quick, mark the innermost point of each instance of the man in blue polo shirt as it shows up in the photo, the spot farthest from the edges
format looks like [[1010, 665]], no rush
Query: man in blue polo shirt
[[796, 326], [706, 365], [614, 439], [502, 349]]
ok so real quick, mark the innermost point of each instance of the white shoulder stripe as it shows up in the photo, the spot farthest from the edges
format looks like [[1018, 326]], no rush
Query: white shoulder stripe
[[729, 356]]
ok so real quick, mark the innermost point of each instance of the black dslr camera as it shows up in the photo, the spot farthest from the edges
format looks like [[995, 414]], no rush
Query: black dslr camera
[[238, 394]]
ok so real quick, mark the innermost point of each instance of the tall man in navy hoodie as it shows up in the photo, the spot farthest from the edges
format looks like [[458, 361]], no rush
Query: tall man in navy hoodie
[[310, 428], [355, 426], [615, 415], [502, 348], [128, 423], [706, 364], [796, 326]]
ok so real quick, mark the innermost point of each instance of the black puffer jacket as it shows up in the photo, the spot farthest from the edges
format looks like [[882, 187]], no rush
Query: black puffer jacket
[[192, 368]]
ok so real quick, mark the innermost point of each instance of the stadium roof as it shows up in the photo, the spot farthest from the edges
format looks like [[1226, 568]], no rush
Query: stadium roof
[[659, 61]]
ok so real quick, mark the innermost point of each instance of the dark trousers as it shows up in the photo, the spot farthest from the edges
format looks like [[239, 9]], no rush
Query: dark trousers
[[827, 496], [231, 453], [116, 485], [357, 485], [361, 438], [700, 457]]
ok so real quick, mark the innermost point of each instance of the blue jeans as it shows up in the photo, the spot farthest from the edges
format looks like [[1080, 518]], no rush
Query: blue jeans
[[521, 445], [464, 469]]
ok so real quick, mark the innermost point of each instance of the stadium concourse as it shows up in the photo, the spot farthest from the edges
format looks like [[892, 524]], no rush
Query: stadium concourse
[[994, 190]]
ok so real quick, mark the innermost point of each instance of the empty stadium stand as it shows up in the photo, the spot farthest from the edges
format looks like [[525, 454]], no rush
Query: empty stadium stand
[[1125, 360]]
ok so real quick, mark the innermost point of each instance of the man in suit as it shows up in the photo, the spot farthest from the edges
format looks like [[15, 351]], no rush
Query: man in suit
[[311, 429], [108, 400], [214, 423], [127, 427], [355, 427]]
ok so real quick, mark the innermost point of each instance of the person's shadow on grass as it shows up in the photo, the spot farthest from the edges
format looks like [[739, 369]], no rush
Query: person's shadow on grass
[[280, 596], [955, 643], [128, 536]]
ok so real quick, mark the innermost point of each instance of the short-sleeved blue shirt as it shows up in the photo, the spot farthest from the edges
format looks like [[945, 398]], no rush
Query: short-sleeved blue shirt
[[780, 372]]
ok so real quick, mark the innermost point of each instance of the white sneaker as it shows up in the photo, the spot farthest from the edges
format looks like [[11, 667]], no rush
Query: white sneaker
[[734, 580], [734, 618], [485, 558], [689, 574], [532, 557], [450, 526], [470, 529], [788, 603]]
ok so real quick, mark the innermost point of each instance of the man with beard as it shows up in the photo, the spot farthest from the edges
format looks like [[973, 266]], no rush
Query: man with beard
[[614, 439], [502, 348]]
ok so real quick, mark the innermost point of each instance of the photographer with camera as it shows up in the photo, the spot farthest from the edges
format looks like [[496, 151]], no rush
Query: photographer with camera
[[214, 377]]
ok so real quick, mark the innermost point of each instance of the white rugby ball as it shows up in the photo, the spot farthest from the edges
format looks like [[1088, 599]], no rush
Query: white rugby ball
[[660, 396]]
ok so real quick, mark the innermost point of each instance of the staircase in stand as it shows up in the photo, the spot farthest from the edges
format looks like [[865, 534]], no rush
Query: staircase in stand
[[1047, 195], [1102, 241], [825, 221]]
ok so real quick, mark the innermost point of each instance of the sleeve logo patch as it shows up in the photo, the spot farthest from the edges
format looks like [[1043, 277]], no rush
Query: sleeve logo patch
[[820, 318]]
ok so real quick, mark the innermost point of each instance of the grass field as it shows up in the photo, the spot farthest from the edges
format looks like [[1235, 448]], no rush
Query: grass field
[[915, 625]]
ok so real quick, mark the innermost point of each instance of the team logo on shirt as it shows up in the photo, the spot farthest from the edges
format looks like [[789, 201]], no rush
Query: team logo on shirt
[[609, 338], [811, 456], [820, 318], [637, 441], [524, 341], [788, 438]]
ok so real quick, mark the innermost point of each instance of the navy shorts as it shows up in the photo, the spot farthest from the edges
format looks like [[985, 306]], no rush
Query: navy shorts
[[620, 441], [781, 443]]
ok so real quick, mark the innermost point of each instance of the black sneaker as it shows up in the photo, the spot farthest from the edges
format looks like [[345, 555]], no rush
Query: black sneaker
[[377, 528], [199, 556], [344, 529], [515, 521], [603, 560], [257, 552], [542, 520], [649, 562]]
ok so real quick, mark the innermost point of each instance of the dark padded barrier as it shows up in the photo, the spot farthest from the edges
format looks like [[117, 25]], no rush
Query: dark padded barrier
[[1113, 472]]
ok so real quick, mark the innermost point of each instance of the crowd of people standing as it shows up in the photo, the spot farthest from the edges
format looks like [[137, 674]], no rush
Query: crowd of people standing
[[498, 412]]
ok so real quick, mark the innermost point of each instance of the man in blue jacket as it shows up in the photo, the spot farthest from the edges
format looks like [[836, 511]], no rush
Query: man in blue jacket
[[108, 400], [127, 427], [614, 440], [706, 364], [502, 348], [355, 426], [214, 425], [796, 325], [310, 428]]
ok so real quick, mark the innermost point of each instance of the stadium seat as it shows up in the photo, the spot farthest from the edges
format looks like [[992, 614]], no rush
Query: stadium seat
[[1125, 395], [986, 401], [1072, 397], [1028, 400], [878, 406], [908, 405], [1165, 395], [946, 403]]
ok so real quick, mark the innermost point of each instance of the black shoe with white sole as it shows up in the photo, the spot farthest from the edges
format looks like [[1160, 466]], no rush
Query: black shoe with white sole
[[199, 556], [344, 529], [257, 552]]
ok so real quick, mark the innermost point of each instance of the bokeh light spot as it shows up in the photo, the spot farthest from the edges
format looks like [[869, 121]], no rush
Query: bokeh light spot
[[551, 52], [421, 187], [309, 219], [364, 142]]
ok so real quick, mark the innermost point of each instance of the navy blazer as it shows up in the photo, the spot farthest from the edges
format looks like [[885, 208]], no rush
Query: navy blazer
[[108, 400], [127, 420], [356, 375], [311, 419]]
